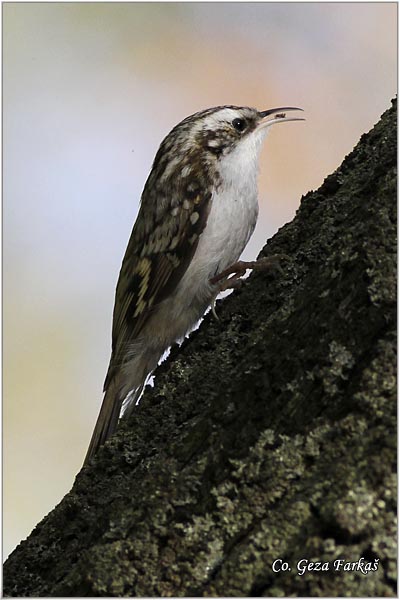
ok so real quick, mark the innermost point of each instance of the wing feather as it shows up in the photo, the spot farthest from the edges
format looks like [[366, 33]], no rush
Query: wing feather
[[156, 259]]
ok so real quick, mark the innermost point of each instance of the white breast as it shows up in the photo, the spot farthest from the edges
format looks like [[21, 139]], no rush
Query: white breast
[[231, 222]]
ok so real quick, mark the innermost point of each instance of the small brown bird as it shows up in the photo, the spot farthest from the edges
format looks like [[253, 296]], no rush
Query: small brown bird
[[198, 210]]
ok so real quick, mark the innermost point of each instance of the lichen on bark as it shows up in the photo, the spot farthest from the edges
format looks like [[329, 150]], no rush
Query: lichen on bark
[[270, 434]]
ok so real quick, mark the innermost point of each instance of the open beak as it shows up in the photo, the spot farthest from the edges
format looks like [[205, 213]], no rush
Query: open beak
[[278, 116]]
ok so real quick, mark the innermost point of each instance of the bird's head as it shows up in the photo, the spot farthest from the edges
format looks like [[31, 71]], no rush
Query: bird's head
[[212, 137], [223, 129]]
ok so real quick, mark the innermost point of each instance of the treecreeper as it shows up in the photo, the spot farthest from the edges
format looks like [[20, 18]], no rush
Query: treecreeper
[[268, 436], [198, 210]]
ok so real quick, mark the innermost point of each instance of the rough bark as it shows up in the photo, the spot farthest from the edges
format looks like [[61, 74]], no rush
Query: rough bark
[[270, 434]]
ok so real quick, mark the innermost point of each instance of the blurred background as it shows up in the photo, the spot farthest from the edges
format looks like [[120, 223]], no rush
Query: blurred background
[[89, 91]]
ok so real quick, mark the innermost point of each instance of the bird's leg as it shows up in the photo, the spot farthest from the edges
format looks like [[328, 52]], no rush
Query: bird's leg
[[238, 269]]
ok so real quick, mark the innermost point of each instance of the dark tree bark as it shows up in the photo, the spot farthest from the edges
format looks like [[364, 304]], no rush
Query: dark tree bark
[[269, 435]]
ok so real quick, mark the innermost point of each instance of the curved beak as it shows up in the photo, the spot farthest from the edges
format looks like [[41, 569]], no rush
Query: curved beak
[[279, 116]]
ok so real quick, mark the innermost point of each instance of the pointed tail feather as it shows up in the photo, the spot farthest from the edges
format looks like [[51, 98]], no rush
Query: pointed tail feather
[[107, 420], [123, 392]]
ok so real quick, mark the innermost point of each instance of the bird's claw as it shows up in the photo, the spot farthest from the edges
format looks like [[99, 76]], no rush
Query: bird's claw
[[214, 314], [238, 269]]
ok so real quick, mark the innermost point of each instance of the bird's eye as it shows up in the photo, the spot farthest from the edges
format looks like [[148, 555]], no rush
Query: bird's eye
[[239, 124]]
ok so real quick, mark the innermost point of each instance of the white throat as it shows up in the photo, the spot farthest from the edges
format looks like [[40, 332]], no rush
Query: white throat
[[239, 168]]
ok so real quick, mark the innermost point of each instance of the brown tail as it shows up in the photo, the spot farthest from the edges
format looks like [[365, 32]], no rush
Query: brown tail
[[107, 420]]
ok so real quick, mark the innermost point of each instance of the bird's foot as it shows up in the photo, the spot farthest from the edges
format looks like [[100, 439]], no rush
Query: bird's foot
[[238, 269]]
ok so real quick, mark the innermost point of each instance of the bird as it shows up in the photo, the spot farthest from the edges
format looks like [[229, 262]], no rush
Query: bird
[[198, 209]]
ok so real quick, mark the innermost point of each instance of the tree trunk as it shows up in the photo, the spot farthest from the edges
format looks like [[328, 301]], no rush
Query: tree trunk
[[269, 435]]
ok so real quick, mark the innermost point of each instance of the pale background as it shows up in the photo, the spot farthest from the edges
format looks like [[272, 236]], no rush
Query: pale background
[[89, 92]]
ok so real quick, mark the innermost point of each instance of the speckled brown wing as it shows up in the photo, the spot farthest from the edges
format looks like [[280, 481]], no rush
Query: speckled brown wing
[[160, 249]]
